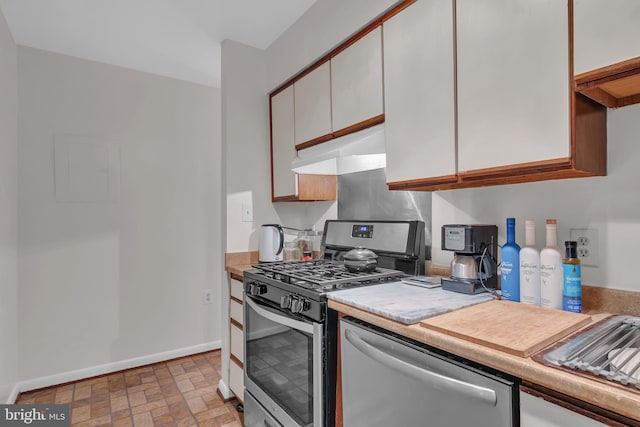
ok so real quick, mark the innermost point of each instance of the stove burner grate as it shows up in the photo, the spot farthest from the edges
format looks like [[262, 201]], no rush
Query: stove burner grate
[[322, 273]]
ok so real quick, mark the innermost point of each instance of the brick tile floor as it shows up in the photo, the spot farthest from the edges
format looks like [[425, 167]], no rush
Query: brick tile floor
[[179, 392]]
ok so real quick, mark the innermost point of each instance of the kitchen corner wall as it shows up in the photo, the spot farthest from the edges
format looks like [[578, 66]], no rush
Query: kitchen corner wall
[[245, 124], [608, 204], [8, 212], [110, 280]]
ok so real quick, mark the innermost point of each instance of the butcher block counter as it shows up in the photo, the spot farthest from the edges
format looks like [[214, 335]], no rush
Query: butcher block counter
[[433, 331]]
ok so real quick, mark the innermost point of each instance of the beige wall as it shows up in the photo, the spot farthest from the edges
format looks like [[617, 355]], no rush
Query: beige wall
[[8, 212], [102, 282]]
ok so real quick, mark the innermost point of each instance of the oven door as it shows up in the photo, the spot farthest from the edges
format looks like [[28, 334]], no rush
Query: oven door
[[283, 364]]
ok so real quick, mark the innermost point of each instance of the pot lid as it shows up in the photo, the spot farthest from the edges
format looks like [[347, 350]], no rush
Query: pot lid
[[360, 254]]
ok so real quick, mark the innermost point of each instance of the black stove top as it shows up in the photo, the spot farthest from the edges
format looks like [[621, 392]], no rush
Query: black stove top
[[322, 275]]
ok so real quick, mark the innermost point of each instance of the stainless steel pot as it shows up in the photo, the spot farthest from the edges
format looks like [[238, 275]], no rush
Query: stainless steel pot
[[360, 259]]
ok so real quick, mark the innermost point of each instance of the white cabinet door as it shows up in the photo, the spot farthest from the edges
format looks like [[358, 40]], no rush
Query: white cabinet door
[[537, 412], [237, 343], [236, 311], [236, 380], [283, 149], [419, 92], [513, 82], [313, 104], [605, 32], [356, 82], [236, 289]]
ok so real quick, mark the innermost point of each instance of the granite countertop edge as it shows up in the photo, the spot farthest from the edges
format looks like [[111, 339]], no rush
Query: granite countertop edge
[[609, 397]]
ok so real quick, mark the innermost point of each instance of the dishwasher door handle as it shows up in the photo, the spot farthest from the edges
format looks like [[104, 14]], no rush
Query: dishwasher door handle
[[482, 394]]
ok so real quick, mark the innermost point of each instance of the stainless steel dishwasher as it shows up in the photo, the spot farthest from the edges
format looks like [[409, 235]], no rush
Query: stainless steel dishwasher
[[390, 380]]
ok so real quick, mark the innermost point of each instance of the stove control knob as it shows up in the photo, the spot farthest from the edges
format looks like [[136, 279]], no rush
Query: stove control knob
[[256, 289], [298, 305], [285, 301]]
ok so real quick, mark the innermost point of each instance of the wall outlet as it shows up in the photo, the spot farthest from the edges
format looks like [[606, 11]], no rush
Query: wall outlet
[[587, 239], [207, 296]]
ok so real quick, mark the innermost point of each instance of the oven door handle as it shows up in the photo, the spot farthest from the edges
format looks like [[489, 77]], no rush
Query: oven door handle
[[278, 318], [483, 394]]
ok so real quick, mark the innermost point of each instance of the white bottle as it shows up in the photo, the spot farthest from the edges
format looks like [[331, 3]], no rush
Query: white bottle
[[530, 267], [551, 276]]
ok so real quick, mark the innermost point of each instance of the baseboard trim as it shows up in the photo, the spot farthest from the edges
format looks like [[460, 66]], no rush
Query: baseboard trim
[[224, 392], [13, 395], [107, 368]]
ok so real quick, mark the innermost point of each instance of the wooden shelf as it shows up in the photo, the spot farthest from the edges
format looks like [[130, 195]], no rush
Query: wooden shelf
[[614, 86]]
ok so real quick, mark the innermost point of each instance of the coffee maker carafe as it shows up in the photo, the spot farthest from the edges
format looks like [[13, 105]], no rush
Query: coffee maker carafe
[[474, 265]]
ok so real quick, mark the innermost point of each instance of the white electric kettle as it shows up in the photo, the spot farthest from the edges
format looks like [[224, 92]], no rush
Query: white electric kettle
[[271, 243]]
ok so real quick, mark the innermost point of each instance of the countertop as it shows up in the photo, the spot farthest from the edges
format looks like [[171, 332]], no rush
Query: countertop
[[607, 396], [237, 262]]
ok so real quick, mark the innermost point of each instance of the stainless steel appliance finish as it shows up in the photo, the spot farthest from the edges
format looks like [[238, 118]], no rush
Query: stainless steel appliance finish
[[365, 196], [389, 380], [398, 244], [474, 265], [290, 334], [610, 350]]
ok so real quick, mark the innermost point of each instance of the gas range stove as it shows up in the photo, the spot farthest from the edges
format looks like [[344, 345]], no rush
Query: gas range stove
[[290, 334], [300, 287]]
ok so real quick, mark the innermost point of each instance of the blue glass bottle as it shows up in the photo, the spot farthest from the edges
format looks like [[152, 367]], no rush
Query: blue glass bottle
[[510, 265]]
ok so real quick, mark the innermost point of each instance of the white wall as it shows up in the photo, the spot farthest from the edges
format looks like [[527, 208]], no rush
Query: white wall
[[245, 112], [8, 212], [108, 281], [609, 204], [248, 76]]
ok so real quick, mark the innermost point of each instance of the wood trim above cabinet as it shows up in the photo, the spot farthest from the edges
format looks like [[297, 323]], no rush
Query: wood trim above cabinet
[[427, 184], [235, 360], [237, 324], [342, 132], [613, 86], [315, 141]]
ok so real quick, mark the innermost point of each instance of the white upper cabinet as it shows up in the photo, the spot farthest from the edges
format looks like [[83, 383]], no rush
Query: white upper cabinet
[[419, 92], [605, 33], [283, 149], [356, 82], [513, 82], [313, 104]]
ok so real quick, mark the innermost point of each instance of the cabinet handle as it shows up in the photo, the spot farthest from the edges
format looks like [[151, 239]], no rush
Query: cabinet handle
[[483, 394]]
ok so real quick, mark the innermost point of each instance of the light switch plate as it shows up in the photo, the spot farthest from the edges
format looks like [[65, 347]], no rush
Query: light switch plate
[[247, 212]]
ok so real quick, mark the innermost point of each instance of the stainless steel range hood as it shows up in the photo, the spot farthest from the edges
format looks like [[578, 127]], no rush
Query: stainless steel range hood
[[355, 152]]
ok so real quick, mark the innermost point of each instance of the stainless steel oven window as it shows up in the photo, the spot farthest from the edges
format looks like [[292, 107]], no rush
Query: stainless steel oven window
[[283, 364]]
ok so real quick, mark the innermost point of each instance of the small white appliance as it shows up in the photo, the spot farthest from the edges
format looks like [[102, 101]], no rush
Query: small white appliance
[[271, 243]]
